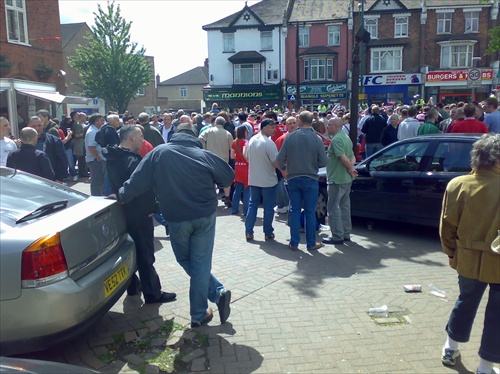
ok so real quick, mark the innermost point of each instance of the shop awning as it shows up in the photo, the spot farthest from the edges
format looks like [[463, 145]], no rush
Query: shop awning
[[52, 96], [246, 57], [69, 99]]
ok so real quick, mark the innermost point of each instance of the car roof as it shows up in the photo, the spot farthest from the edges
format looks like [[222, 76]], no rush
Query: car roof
[[452, 135]]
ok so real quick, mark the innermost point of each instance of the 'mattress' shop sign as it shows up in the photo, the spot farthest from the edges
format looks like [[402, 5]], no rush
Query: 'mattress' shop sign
[[457, 77], [227, 95]]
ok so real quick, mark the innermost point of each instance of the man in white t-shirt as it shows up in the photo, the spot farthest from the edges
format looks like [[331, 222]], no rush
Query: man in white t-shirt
[[7, 145], [262, 179]]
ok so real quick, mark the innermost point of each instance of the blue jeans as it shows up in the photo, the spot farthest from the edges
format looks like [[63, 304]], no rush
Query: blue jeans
[[268, 195], [462, 316], [193, 243], [371, 148], [303, 189], [238, 189], [71, 162], [339, 210], [282, 199]]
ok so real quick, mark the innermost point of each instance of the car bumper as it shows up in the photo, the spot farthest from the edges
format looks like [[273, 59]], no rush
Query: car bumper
[[47, 315]]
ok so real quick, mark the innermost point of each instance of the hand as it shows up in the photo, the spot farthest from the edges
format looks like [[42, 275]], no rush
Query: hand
[[450, 260], [112, 197], [353, 172]]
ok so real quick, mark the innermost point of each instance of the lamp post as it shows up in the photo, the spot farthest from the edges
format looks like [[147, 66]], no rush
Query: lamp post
[[362, 36]]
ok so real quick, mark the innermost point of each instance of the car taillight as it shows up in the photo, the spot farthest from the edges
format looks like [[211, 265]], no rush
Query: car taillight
[[43, 262]]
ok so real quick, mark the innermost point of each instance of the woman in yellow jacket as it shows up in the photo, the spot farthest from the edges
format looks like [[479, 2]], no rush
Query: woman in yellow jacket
[[470, 221]]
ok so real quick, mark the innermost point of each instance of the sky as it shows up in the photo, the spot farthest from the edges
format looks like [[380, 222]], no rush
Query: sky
[[169, 30]]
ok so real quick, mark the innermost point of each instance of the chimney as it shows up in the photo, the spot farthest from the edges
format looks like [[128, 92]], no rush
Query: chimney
[[205, 63], [157, 80]]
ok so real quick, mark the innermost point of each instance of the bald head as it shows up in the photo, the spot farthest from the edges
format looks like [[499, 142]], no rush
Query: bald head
[[29, 136], [335, 125], [184, 119]]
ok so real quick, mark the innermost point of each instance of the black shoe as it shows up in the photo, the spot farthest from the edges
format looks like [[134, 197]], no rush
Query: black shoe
[[269, 237], [330, 240], [347, 239], [135, 286], [167, 231], [208, 317], [228, 202], [165, 297], [223, 305]]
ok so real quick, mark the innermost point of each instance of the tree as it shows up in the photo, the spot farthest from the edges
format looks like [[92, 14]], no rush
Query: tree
[[494, 43], [110, 65]]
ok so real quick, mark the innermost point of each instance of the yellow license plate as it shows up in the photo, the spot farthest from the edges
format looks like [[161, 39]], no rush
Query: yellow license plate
[[114, 280]]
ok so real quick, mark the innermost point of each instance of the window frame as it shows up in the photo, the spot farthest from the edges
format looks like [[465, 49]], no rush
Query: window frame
[[318, 69], [183, 92], [332, 35], [269, 38], [372, 28], [469, 53], [256, 72], [228, 44], [19, 13], [445, 22], [383, 51], [405, 26], [474, 20], [272, 74], [304, 33]]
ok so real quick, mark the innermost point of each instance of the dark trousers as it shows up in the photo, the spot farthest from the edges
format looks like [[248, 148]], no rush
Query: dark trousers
[[462, 316], [82, 165], [141, 231]]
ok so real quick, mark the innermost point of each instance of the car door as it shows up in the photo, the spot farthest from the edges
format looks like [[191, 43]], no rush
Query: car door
[[450, 158], [386, 185]]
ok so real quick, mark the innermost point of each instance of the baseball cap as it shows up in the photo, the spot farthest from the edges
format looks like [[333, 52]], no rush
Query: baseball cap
[[266, 122]]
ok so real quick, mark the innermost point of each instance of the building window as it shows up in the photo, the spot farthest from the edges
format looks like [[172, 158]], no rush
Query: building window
[[400, 27], [17, 30], [387, 60], [272, 75], [141, 91], [228, 39], [471, 22], [183, 92], [266, 40], [444, 23], [371, 25], [318, 69], [247, 74], [303, 36], [456, 56], [334, 35]]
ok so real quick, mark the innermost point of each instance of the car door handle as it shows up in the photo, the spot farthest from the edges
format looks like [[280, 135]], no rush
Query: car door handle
[[407, 183]]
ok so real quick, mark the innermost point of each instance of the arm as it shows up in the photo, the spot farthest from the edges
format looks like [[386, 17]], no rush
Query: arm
[[61, 161], [450, 218], [139, 182], [94, 152], [46, 167], [348, 164]]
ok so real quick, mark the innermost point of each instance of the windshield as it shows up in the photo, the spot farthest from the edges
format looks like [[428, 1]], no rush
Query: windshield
[[22, 193]]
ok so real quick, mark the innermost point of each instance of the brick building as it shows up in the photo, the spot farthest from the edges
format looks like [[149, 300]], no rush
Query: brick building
[[33, 47]]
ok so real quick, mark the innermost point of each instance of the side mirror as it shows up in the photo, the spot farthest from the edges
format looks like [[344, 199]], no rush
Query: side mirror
[[363, 170]]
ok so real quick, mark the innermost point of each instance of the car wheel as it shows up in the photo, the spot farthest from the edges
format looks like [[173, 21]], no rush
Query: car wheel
[[321, 205]]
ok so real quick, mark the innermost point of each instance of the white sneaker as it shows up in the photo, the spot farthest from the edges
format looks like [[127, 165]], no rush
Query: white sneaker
[[281, 210], [75, 178]]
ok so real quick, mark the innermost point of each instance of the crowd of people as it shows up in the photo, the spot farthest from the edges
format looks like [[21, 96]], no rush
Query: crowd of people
[[171, 166]]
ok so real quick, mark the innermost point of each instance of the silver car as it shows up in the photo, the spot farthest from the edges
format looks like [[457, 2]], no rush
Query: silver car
[[65, 259]]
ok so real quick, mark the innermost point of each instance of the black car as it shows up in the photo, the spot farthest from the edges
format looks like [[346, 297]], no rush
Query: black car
[[406, 180]]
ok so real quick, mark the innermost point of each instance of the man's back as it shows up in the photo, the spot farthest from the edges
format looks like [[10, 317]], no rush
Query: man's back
[[303, 152], [261, 153], [408, 128], [469, 125], [31, 160], [152, 135], [492, 122], [217, 140], [373, 127]]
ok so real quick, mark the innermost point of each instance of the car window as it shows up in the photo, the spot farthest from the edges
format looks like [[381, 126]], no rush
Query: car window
[[452, 157], [402, 157]]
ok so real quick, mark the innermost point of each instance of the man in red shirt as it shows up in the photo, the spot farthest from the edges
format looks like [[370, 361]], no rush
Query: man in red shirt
[[469, 124]]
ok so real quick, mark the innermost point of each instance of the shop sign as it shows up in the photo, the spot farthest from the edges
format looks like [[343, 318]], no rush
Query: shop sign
[[318, 89], [457, 77], [390, 79], [227, 95], [329, 96]]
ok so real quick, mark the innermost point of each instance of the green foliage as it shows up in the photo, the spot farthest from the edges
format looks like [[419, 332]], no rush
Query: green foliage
[[111, 66], [494, 44]]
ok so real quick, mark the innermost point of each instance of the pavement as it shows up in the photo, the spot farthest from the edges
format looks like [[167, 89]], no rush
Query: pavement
[[293, 312]]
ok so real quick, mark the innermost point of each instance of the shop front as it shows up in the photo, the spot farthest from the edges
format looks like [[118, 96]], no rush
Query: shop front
[[391, 89], [233, 99], [312, 94], [453, 86]]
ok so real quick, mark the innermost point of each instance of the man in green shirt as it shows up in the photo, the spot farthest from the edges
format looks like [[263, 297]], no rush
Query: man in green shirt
[[430, 126], [340, 173]]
